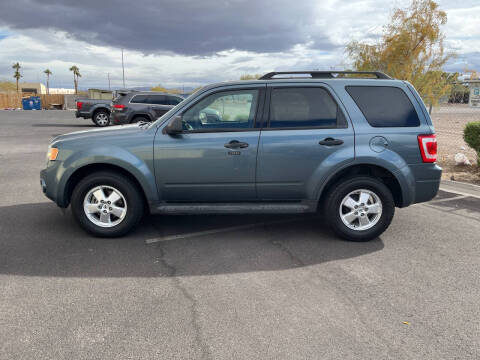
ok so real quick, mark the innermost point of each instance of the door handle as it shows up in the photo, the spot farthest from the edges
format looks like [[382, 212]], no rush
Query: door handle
[[235, 144], [331, 141]]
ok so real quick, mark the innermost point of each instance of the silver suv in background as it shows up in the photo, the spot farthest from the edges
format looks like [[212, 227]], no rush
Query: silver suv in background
[[141, 106]]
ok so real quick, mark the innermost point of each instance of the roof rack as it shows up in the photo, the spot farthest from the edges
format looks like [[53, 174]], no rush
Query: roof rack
[[323, 74]]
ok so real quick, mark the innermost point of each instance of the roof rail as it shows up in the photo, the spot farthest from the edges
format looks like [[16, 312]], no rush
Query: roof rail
[[324, 74]]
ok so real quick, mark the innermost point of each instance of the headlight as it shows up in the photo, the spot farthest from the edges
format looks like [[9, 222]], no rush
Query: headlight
[[52, 154]]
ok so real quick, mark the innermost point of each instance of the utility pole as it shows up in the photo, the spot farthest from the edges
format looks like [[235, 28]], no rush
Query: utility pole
[[108, 76], [123, 71]]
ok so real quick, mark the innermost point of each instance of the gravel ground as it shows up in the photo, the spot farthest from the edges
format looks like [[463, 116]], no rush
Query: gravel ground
[[449, 121]]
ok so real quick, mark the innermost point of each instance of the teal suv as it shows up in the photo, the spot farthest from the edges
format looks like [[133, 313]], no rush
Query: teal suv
[[350, 146]]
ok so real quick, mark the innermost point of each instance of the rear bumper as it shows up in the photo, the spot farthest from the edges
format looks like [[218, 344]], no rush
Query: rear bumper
[[82, 114], [427, 181], [426, 190]]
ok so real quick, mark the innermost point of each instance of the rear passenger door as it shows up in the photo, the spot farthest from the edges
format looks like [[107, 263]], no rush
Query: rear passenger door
[[159, 104], [305, 135]]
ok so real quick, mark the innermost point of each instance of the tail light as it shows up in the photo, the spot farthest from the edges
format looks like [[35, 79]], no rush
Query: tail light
[[79, 105], [428, 147], [119, 106]]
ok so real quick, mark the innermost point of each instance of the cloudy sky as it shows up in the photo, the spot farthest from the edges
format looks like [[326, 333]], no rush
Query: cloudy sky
[[189, 43]]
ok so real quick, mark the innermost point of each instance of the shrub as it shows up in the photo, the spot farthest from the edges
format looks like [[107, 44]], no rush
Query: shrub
[[471, 135]]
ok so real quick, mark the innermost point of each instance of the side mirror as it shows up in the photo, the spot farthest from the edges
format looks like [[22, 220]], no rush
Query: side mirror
[[175, 126]]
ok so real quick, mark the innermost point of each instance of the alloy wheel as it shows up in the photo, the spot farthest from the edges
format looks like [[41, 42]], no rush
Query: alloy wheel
[[361, 209], [102, 119], [105, 206]]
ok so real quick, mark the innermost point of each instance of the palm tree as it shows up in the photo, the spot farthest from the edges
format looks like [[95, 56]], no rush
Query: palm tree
[[48, 73], [17, 74], [76, 75]]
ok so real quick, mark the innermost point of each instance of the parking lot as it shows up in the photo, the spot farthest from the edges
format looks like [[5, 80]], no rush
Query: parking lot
[[227, 287]]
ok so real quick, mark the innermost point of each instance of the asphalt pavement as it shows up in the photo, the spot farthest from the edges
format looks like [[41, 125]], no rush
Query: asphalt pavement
[[228, 287]]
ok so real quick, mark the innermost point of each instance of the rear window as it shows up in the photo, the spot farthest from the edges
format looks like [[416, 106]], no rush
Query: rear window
[[384, 106], [140, 99]]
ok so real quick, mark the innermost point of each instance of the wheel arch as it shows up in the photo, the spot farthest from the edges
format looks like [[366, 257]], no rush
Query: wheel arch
[[386, 176], [88, 169], [100, 108], [138, 115]]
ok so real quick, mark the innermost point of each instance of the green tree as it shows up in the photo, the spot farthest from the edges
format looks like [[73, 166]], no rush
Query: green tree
[[160, 88], [76, 75], [411, 49], [48, 73], [459, 93], [16, 73], [250, 76]]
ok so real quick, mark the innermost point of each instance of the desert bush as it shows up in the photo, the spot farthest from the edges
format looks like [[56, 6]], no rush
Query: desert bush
[[471, 135]]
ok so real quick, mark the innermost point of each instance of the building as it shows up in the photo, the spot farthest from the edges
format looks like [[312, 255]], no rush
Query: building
[[474, 86], [62, 91], [100, 94], [32, 88]]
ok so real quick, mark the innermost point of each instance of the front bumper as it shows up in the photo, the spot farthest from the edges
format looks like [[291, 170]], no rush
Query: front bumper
[[50, 186], [44, 180]]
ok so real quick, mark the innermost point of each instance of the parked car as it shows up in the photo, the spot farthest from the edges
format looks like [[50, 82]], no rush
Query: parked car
[[141, 106], [97, 110], [349, 148]]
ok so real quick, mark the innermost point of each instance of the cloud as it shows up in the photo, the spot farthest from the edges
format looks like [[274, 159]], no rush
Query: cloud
[[193, 43], [58, 52], [177, 26]]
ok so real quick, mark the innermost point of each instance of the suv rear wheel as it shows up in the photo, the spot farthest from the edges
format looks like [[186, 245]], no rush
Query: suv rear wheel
[[101, 118], [107, 204], [359, 208]]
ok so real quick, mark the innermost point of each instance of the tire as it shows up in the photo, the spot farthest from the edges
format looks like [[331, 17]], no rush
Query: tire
[[139, 119], [101, 118], [127, 197], [378, 208]]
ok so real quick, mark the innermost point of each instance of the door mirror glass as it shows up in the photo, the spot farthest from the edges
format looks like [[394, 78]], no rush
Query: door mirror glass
[[175, 126]]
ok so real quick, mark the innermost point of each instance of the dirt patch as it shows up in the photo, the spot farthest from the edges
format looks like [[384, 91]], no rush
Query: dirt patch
[[461, 173], [449, 121]]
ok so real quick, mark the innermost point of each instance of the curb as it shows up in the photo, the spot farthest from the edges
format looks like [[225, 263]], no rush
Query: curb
[[460, 187]]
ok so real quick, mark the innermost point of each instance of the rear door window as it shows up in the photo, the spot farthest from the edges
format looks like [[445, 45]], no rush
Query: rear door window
[[384, 106], [308, 107], [159, 100], [174, 100]]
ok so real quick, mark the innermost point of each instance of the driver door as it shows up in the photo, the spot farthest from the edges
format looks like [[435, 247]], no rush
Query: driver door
[[214, 158]]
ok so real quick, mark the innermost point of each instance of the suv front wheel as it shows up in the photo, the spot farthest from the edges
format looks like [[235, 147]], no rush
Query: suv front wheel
[[359, 208], [107, 204]]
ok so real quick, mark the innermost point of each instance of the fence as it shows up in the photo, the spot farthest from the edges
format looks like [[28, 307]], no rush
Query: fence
[[14, 100]]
